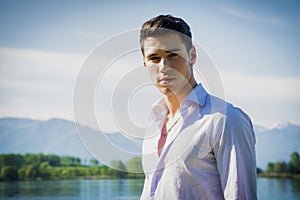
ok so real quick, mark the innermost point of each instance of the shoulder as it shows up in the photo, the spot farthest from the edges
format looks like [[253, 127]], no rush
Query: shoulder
[[233, 122], [231, 115], [237, 119], [238, 128]]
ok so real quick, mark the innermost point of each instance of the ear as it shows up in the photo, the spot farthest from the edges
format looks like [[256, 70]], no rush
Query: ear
[[145, 64], [193, 56]]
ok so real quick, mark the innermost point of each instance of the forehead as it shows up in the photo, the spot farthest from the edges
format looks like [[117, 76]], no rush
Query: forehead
[[165, 42]]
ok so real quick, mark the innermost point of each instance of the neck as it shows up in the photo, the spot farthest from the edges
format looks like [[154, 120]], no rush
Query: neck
[[173, 104], [174, 101]]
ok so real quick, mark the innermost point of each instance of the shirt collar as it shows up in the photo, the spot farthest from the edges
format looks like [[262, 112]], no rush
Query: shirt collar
[[197, 95]]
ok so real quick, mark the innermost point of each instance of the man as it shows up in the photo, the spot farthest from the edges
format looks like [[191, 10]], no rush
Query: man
[[204, 147]]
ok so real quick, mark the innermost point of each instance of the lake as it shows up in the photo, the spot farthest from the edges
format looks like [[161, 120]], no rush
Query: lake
[[123, 189]]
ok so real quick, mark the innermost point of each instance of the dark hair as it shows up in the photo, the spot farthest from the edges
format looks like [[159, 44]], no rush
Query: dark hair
[[163, 24]]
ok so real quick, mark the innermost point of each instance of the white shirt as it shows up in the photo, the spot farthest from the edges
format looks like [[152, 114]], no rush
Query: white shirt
[[209, 153]]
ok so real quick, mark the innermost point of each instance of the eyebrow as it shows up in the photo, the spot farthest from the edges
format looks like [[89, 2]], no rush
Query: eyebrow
[[168, 51], [173, 50]]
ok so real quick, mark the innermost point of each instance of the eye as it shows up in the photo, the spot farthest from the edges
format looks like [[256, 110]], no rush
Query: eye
[[154, 59], [172, 55]]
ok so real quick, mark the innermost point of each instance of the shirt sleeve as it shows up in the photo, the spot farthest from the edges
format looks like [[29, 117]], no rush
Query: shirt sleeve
[[235, 156]]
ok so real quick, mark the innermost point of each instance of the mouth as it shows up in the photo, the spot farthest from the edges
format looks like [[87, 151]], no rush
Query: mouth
[[165, 80]]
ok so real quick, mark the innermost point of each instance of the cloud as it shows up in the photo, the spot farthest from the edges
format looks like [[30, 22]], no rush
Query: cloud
[[40, 84], [250, 87], [32, 64], [268, 100], [37, 84], [255, 17]]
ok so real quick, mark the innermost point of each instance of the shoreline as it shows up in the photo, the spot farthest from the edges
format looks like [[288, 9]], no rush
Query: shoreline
[[279, 175]]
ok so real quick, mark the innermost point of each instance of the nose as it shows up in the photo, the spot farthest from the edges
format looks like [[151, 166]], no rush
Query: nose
[[164, 64]]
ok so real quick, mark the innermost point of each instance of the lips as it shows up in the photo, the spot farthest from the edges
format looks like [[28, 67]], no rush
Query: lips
[[165, 80]]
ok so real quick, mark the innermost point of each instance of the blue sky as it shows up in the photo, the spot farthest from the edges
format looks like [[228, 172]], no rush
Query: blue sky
[[255, 46]]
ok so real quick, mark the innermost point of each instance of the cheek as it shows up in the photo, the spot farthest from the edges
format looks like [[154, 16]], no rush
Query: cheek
[[183, 68], [152, 73]]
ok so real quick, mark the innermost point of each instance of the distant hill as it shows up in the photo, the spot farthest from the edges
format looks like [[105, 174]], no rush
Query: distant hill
[[54, 136], [277, 143], [60, 137]]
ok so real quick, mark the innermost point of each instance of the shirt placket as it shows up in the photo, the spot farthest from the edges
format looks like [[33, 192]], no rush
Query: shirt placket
[[161, 164]]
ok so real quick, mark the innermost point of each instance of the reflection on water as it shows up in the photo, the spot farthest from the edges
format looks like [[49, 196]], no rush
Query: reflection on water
[[123, 189], [73, 189], [278, 189]]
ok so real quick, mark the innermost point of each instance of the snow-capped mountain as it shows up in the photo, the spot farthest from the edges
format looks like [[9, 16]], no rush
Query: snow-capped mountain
[[60, 137], [277, 143]]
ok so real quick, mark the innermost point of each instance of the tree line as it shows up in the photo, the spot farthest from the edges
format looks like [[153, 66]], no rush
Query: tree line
[[17, 167], [284, 169]]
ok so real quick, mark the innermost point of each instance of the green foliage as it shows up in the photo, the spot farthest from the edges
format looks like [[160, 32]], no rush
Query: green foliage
[[8, 173], [280, 167], [118, 164], [11, 160], [270, 168], [28, 172], [119, 169], [259, 170], [135, 168], [293, 167], [135, 165], [70, 161], [45, 167], [94, 162], [53, 160]]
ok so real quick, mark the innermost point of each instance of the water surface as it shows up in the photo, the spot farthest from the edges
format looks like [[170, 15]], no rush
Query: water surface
[[123, 189]]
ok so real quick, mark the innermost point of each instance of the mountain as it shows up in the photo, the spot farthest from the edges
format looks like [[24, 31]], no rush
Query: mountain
[[60, 137], [54, 136], [277, 143]]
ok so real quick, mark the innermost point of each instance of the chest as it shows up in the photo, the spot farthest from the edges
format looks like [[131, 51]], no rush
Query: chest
[[190, 148]]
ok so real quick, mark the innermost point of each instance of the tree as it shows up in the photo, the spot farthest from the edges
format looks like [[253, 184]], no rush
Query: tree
[[53, 160], [294, 165], [270, 168], [280, 167], [259, 170], [135, 165], [119, 169], [8, 173], [28, 172], [44, 171], [30, 159], [104, 170], [15, 160], [118, 165], [94, 162], [70, 161]]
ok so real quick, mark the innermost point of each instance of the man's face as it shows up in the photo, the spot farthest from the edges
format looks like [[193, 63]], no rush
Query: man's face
[[169, 63]]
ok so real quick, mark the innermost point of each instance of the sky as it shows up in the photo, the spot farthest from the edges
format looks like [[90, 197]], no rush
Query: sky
[[44, 45]]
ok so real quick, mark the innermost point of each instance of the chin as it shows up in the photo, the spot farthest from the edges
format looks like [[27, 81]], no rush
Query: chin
[[163, 90], [166, 91]]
